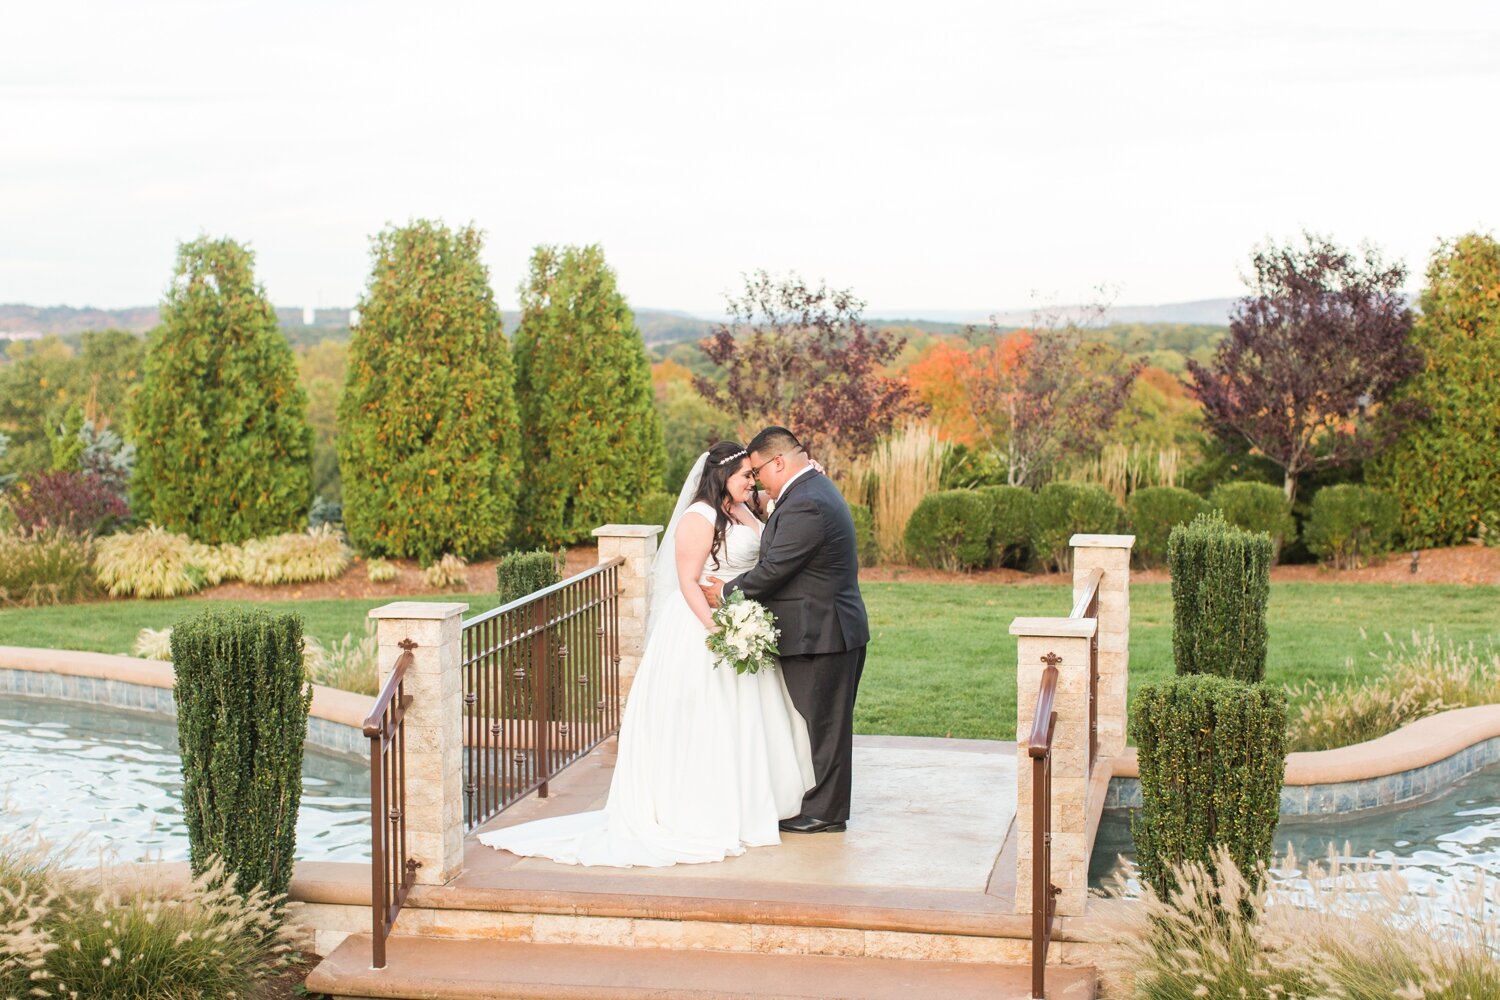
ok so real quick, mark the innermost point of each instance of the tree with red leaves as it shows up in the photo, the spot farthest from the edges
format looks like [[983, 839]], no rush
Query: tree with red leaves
[[1306, 374], [802, 357]]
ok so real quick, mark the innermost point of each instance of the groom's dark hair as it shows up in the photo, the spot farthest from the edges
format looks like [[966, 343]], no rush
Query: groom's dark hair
[[775, 441]]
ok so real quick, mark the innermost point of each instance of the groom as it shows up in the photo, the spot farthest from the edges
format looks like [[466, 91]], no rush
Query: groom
[[808, 576]]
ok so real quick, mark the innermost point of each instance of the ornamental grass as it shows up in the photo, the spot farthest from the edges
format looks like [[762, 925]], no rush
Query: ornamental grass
[[446, 573], [348, 664], [295, 557], [154, 562], [895, 477], [44, 566]]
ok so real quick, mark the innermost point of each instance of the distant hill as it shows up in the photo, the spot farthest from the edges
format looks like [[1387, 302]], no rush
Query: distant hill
[[1211, 312]]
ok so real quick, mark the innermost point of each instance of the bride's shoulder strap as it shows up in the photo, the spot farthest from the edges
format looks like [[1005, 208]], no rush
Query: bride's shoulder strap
[[704, 511]]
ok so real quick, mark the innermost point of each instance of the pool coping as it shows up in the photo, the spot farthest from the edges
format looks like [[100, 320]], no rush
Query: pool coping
[[335, 720], [1418, 761]]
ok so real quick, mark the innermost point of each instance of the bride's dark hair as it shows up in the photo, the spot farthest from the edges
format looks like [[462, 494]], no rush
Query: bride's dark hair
[[713, 488]]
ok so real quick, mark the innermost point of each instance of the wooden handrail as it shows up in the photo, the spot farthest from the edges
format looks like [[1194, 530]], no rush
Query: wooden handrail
[[544, 592], [375, 721], [1090, 591], [1039, 743]]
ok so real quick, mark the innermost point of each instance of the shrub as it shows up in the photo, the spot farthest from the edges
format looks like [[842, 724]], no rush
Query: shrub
[[522, 573], [1417, 680], [1350, 524], [380, 571], [592, 422], [658, 508], [446, 573], [864, 534], [1212, 755], [76, 501], [1064, 510], [296, 557], [49, 566], [349, 664], [950, 530], [242, 704], [427, 444], [154, 562], [325, 511], [1445, 470], [1339, 933], [1154, 512], [1221, 581], [224, 450], [1012, 510], [1257, 507], [81, 935]]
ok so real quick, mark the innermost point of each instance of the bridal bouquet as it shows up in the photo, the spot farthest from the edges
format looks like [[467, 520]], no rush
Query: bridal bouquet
[[745, 636]]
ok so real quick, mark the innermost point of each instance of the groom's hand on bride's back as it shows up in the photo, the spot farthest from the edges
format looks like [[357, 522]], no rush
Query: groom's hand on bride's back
[[713, 590]]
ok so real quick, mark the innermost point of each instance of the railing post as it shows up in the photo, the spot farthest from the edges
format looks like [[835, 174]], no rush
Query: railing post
[[542, 669], [1111, 554], [434, 729], [636, 544], [1063, 643]]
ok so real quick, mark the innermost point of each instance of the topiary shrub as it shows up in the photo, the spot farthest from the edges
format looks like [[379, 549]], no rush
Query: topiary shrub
[[242, 704], [950, 529], [1350, 524], [522, 573], [427, 443], [1067, 509], [1221, 580], [224, 450], [1257, 507], [1012, 511], [1212, 758], [864, 534], [1154, 512], [583, 389]]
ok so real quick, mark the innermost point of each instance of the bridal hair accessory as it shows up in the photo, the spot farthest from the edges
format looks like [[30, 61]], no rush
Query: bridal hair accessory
[[735, 457]]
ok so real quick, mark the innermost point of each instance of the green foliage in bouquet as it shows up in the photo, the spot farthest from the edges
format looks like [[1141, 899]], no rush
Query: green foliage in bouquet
[[427, 446], [223, 447], [591, 442]]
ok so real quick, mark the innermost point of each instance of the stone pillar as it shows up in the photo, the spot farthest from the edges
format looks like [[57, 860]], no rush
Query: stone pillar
[[434, 729], [1110, 553], [636, 544], [1063, 642]]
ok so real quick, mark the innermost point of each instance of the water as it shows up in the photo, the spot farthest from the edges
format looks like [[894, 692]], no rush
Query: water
[[92, 777], [1440, 845]]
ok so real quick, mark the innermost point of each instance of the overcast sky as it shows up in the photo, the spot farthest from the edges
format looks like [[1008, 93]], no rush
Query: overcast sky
[[932, 156]]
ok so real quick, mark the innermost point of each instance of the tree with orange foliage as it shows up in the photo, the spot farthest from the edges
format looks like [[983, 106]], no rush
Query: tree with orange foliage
[[939, 378]]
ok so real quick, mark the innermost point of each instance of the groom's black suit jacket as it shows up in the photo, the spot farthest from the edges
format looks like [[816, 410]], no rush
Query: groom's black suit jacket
[[808, 574]]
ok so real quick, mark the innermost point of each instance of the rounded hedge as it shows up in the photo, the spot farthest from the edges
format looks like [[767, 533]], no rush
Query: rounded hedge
[[1257, 507], [1154, 512], [1350, 524], [950, 530], [1064, 510], [1012, 510]]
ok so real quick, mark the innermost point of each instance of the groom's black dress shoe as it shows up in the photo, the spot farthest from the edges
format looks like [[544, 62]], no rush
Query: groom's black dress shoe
[[807, 824]]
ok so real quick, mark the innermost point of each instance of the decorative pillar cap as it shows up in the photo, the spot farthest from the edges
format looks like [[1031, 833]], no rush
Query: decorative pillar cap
[[1102, 541], [422, 610], [627, 531], [1055, 628]]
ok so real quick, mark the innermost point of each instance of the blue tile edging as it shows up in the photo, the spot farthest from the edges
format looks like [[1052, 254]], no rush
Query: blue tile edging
[[1343, 797], [322, 734]]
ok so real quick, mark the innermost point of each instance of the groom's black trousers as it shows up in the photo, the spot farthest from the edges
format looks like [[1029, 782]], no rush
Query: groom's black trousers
[[823, 688]]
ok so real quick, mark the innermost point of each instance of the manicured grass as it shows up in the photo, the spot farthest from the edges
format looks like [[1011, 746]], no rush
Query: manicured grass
[[942, 662]]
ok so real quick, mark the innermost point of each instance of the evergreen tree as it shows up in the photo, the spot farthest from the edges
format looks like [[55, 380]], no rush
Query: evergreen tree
[[427, 421], [592, 441], [1445, 469], [223, 446]]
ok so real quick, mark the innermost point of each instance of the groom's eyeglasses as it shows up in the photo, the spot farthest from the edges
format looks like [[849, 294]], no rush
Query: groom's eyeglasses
[[755, 469]]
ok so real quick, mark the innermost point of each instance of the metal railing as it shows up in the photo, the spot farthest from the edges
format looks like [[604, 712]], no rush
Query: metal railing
[[1087, 606], [1043, 892], [392, 872], [541, 688]]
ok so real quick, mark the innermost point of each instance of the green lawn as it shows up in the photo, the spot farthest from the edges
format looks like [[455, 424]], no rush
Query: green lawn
[[941, 661]]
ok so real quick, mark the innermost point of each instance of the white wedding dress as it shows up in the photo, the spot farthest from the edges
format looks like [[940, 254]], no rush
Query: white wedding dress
[[709, 760]]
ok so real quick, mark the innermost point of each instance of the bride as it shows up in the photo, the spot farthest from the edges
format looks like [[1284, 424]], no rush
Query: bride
[[709, 760]]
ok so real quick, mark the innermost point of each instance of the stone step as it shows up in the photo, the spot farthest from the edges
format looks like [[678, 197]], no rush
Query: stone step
[[435, 969]]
